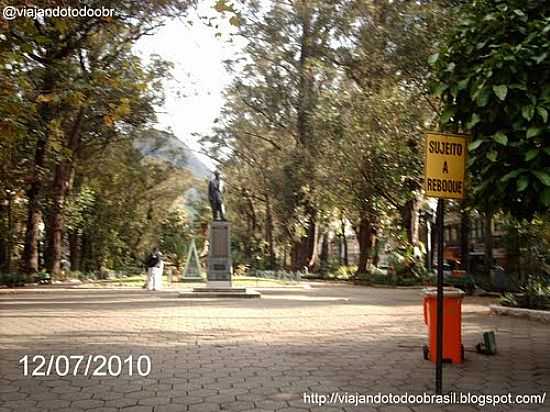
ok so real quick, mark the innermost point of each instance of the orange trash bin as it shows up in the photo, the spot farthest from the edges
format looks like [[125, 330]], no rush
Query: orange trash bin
[[453, 350]]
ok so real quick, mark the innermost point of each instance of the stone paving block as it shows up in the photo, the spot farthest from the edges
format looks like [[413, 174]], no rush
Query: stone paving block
[[155, 401], [188, 400], [88, 403], [6, 387], [292, 409], [53, 404], [259, 410], [43, 396], [102, 409], [138, 409], [271, 404], [13, 396], [394, 408], [139, 395], [170, 408], [120, 403], [204, 407], [236, 405], [75, 396]]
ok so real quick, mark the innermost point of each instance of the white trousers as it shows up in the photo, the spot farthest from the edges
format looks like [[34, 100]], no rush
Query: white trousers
[[154, 278]]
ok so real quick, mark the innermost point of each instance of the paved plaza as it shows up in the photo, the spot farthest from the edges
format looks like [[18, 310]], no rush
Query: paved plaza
[[254, 354]]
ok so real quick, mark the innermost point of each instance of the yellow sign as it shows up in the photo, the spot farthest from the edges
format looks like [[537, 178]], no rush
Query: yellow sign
[[444, 166]]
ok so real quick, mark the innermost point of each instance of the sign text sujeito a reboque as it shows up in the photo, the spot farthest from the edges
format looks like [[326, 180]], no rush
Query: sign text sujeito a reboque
[[444, 168]]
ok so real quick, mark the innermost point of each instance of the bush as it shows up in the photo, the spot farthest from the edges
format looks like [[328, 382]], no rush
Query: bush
[[277, 275], [509, 299], [86, 276], [408, 264], [12, 279], [344, 272], [534, 294], [380, 278]]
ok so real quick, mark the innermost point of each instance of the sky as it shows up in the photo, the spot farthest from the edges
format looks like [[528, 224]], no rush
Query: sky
[[199, 73]]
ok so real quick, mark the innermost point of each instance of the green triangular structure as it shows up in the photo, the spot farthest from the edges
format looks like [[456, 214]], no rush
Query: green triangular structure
[[192, 269]]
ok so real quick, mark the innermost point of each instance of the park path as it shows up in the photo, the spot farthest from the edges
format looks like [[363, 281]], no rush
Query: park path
[[254, 355]]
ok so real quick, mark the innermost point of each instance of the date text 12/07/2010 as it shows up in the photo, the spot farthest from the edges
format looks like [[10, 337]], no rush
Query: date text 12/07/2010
[[85, 365]]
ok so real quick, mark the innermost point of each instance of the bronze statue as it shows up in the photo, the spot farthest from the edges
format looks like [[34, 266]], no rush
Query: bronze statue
[[215, 196]]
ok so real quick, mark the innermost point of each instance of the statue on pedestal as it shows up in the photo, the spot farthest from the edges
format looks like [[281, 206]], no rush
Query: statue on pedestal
[[215, 196]]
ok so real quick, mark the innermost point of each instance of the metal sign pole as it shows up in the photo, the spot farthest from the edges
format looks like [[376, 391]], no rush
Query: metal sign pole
[[444, 173], [439, 330]]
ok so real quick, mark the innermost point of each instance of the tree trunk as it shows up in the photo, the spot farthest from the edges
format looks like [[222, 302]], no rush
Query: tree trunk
[[7, 243], [3, 240], [74, 250], [64, 171], [429, 244], [344, 240], [30, 260], [305, 82], [340, 250], [269, 235], [410, 215], [376, 256], [465, 240], [86, 256], [367, 238], [251, 212], [314, 255], [56, 221], [302, 250], [324, 256], [303, 255], [488, 220], [3, 249]]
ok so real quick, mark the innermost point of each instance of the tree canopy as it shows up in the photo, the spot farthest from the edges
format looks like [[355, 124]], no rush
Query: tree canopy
[[493, 78]]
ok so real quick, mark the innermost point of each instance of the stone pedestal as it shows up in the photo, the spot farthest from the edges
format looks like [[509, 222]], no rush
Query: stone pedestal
[[220, 268], [220, 265]]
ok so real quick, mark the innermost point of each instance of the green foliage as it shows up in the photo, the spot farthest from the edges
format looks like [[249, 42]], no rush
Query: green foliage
[[377, 278], [339, 272], [534, 294], [346, 272], [12, 279], [407, 264], [69, 89], [494, 81], [527, 245], [508, 299], [324, 119], [175, 237], [266, 137]]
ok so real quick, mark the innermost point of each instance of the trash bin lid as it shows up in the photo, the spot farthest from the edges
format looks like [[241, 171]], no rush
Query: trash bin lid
[[447, 292]]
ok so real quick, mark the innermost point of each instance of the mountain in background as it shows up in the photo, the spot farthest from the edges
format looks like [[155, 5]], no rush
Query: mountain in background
[[166, 146]]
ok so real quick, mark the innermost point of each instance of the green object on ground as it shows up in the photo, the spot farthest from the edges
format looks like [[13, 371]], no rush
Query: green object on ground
[[44, 278], [489, 345]]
